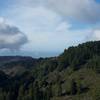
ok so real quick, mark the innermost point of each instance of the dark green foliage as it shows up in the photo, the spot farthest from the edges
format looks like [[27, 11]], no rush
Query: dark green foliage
[[59, 89], [36, 91], [73, 74], [73, 87], [31, 91], [21, 93], [94, 63]]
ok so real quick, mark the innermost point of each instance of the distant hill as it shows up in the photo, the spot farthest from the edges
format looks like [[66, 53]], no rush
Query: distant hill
[[73, 75]]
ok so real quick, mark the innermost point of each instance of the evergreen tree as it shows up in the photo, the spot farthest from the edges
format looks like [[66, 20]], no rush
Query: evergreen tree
[[73, 87], [48, 92], [21, 93], [8, 96], [31, 92], [1, 94], [36, 91]]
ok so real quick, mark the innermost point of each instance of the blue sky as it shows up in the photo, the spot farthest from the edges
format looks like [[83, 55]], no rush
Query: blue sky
[[98, 1], [28, 27]]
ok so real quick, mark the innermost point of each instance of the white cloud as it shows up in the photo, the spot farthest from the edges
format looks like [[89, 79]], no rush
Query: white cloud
[[45, 29], [43, 23], [82, 10], [10, 36], [95, 35]]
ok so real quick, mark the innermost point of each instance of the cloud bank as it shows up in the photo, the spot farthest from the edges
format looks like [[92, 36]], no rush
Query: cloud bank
[[52, 25], [10, 36], [82, 10]]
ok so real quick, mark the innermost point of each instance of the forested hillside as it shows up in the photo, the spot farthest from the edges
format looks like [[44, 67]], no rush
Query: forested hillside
[[73, 75]]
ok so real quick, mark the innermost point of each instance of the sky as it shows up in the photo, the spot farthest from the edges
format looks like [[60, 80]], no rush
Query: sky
[[42, 28]]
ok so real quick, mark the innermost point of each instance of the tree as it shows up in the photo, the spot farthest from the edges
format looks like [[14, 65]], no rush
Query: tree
[[49, 92], [36, 91], [8, 96], [73, 87], [1, 95], [96, 93], [59, 90], [31, 92], [21, 93]]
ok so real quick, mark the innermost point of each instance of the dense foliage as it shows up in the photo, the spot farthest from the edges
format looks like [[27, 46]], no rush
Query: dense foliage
[[73, 75]]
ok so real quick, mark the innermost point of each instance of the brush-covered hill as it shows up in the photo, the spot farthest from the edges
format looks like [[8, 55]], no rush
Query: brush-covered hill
[[16, 64], [73, 75]]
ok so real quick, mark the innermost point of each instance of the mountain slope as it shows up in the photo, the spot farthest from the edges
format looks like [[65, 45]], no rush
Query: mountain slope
[[73, 75]]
